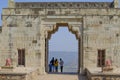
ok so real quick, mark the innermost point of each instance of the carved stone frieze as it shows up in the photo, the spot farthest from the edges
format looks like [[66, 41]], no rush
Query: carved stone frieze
[[28, 24], [12, 25], [17, 11], [64, 5]]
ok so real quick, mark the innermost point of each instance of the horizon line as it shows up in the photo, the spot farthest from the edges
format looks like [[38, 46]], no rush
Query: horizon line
[[63, 51]]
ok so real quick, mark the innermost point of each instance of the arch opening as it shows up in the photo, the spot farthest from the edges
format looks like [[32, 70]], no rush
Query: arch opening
[[76, 54]]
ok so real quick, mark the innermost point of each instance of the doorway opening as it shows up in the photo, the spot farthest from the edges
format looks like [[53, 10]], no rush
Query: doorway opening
[[64, 45]]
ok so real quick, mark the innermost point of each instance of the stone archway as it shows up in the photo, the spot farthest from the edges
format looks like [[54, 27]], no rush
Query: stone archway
[[74, 30]]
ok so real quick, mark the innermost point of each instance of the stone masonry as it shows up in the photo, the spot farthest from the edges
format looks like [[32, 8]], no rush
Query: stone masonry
[[29, 26]]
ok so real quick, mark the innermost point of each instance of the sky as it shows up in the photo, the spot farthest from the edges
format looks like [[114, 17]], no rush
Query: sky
[[58, 42], [63, 40]]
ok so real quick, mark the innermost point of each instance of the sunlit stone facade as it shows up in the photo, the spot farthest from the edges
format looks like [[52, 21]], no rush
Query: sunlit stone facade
[[28, 26]]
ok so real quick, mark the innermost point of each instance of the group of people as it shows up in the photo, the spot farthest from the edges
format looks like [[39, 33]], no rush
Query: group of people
[[54, 63]]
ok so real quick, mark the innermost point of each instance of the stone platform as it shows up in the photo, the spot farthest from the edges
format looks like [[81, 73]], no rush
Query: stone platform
[[58, 77], [19, 73], [97, 74], [25, 73]]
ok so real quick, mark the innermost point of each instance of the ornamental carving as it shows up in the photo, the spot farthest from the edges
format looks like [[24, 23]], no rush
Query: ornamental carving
[[52, 29], [12, 25], [28, 24], [65, 5]]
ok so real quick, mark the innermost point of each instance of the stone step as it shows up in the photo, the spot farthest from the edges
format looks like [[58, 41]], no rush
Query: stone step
[[81, 77], [62, 77], [58, 77]]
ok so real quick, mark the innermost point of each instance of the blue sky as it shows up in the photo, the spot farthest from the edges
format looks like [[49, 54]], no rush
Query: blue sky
[[62, 40]]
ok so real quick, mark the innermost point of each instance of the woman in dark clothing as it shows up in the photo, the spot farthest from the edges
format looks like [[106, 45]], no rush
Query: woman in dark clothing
[[52, 64], [56, 65]]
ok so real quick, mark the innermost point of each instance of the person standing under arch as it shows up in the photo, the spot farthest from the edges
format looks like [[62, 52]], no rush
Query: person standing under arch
[[52, 64], [61, 65], [56, 65]]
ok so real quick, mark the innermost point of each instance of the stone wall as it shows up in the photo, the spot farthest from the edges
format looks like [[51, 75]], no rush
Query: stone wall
[[101, 32], [18, 33], [58, 12], [12, 77], [7, 75], [102, 76], [27, 28]]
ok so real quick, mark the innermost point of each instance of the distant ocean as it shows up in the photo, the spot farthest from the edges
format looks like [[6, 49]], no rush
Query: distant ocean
[[70, 59]]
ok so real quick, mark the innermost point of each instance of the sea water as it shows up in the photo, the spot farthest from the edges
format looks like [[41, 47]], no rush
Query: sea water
[[70, 60]]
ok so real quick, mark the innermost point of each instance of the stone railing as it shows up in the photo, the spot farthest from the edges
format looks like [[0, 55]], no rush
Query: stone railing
[[10, 75], [102, 76]]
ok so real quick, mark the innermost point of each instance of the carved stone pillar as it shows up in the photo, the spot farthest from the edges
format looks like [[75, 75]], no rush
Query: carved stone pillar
[[11, 3], [116, 3]]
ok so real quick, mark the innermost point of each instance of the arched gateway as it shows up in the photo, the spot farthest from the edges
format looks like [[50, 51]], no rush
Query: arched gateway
[[73, 28], [27, 27]]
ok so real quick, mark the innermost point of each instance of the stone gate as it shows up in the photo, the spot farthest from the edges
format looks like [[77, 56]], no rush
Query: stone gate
[[28, 26]]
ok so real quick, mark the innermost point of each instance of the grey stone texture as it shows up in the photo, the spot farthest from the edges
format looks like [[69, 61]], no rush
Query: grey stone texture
[[30, 25]]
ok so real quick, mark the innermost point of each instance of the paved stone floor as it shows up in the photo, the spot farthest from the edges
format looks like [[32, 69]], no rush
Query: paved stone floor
[[63, 76], [58, 77], [49, 76]]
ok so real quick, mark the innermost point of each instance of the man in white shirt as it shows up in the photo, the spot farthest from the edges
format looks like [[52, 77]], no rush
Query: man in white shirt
[[61, 65]]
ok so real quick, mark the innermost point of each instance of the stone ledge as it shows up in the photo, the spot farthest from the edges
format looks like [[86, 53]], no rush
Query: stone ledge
[[7, 67], [102, 75]]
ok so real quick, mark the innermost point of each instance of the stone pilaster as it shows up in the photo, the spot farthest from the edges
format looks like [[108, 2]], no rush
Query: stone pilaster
[[11, 3], [116, 3]]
